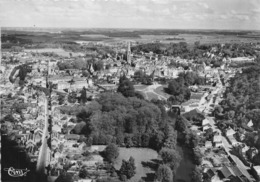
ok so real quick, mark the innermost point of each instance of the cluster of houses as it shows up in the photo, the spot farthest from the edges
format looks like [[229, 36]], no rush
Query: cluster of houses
[[28, 133]]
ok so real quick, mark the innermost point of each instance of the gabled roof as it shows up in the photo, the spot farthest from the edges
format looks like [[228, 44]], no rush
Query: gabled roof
[[236, 171], [230, 131], [217, 138], [250, 123], [72, 136], [205, 122], [226, 172], [210, 173]]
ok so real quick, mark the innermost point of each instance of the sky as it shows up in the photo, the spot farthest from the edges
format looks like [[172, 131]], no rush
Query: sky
[[154, 14]]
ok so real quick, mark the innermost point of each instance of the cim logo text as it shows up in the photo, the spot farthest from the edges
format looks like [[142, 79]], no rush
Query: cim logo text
[[16, 172]]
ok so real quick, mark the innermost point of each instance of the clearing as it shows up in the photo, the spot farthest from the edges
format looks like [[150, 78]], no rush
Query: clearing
[[155, 91]]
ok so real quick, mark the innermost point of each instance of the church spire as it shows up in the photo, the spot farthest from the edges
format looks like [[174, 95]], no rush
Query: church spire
[[129, 53]]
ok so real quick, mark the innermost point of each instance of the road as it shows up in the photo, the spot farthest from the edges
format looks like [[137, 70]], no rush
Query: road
[[227, 146], [42, 158]]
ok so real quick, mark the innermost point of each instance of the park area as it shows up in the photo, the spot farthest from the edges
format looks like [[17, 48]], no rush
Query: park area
[[155, 91], [145, 161]]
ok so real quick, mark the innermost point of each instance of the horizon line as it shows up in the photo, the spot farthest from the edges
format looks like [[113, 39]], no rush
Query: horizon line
[[192, 29]]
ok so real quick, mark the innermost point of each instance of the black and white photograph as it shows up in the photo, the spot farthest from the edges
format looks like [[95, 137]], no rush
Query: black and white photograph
[[130, 90]]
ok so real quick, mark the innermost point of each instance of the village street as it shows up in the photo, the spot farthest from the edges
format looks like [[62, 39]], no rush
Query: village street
[[227, 147]]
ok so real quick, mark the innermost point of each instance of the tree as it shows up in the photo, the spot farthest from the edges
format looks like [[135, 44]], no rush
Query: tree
[[61, 99], [197, 44], [164, 174], [64, 177], [83, 173], [196, 175], [128, 141], [128, 168], [171, 137], [123, 178], [80, 64], [83, 96], [98, 66], [126, 87], [170, 157], [209, 134], [197, 155], [72, 98], [111, 152], [78, 128], [174, 88], [179, 91]]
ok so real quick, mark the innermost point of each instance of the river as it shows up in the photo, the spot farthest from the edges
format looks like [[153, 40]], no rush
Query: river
[[186, 167]]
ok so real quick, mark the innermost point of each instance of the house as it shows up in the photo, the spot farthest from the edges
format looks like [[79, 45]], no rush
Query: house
[[82, 146], [85, 180], [256, 172], [230, 136], [98, 148], [240, 135], [208, 144], [226, 172], [206, 127], [72, 137], [230, 132], [217, 140], [245, 148], [205, 122], [210, 173], [232, 140], [234, 174], [250, 123]]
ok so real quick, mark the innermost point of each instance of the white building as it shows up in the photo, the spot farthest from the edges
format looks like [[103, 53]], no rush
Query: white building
[[217, 140]]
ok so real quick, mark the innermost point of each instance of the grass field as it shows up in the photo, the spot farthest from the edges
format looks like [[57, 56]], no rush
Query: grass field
[[140, 87], [151, 95], [142, 156], [152, 91], [160, 91], [59, 51]]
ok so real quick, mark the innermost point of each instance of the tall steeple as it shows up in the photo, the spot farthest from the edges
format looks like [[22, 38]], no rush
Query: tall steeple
[[129, 53]]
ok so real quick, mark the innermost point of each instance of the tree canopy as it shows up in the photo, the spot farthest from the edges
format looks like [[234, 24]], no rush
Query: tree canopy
[[111, 152]]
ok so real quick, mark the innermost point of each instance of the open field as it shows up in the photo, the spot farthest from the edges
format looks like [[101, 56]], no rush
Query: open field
[[160, 91], [140, 155], [59, 51], [140, 87], [153, 91]]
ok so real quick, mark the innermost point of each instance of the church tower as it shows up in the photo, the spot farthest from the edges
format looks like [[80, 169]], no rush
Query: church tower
[[129, 53]]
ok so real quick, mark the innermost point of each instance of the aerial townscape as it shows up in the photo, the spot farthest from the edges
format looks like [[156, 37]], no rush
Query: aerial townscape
[[129, 105]]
